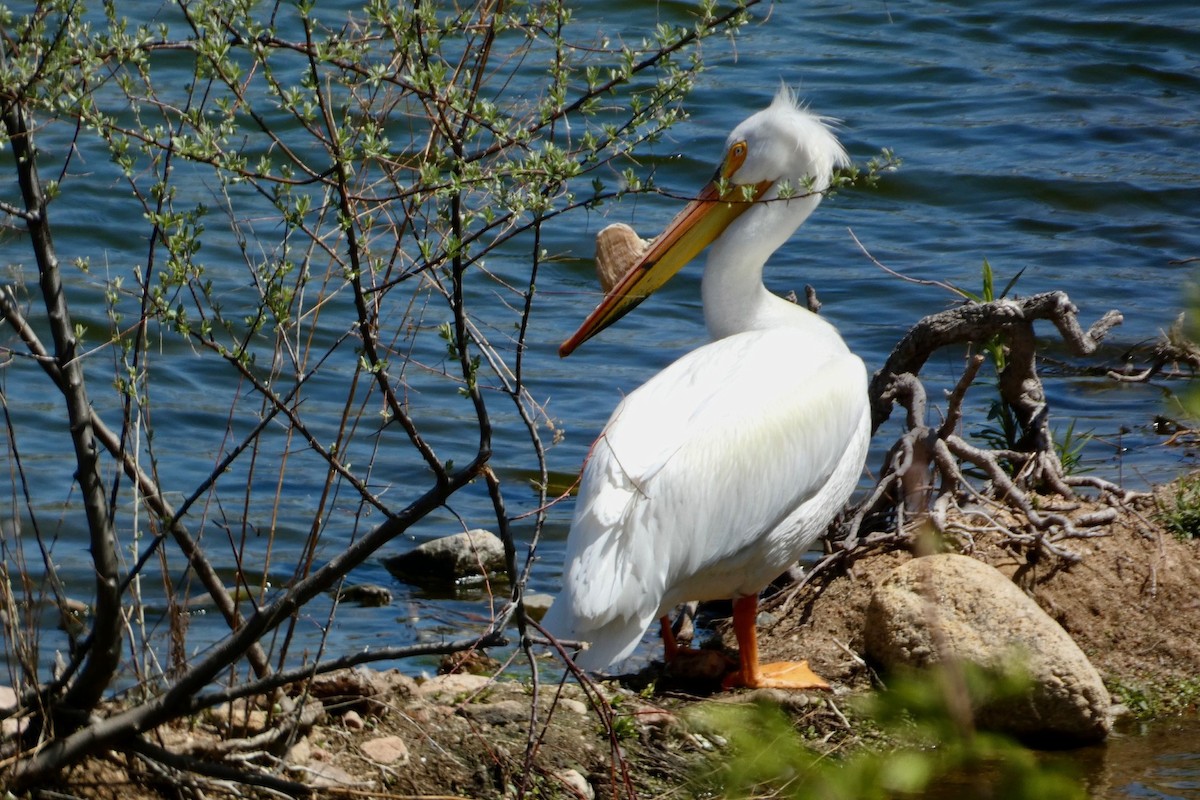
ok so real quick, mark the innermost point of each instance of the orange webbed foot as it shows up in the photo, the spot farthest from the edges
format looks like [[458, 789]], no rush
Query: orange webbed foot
[[778, 675]]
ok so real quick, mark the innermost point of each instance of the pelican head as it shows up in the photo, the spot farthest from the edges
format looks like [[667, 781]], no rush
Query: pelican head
[[784, 144], [779, 161]]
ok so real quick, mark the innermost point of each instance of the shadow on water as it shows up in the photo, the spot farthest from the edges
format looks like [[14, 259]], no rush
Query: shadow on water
[[1151, 760], [1158, 760]]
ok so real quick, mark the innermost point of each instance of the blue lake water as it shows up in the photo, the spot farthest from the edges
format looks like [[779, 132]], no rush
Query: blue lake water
[[1158, 761], [1054, 138]]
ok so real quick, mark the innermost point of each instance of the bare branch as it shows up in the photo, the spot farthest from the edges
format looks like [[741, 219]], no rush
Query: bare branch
[[73, 708]]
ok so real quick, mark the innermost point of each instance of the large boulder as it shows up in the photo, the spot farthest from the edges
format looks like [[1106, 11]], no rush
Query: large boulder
[[450, 559], [952, 608]]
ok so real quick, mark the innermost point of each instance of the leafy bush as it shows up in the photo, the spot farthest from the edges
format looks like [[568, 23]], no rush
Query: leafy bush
[[928, 741]]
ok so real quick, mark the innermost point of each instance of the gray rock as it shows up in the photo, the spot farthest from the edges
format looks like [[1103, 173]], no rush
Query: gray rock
[[386, 750], [536, 605], [450, 558], [454, 687], [576, 784], [948, 607], [301, 752], [331, 776], [500, 712], [8, 702]]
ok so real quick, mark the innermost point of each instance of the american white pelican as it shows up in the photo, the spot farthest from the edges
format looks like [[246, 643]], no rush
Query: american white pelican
[[714, 476]]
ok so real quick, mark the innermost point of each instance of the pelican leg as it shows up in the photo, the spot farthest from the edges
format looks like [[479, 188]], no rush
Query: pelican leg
[[752, 675], [671, 646]]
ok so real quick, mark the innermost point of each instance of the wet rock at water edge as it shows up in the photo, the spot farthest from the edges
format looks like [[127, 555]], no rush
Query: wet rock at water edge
[[951, 608], [450, 559], [361, 688], [474, 662], [365, 594], [537, 604]]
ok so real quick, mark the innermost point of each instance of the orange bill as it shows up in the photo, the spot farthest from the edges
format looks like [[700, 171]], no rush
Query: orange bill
[[694, 228]]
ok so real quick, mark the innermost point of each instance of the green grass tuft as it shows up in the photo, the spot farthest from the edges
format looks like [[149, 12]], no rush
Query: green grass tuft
[[1181, 514]]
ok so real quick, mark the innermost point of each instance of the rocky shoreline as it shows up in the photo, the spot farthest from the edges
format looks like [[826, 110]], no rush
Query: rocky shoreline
[[1129, 606]]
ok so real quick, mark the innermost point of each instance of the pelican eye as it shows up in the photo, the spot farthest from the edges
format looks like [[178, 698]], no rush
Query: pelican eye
[[735, 159], [732, 163]]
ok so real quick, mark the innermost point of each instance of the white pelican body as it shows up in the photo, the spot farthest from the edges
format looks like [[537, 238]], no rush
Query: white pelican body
[[714, 476]]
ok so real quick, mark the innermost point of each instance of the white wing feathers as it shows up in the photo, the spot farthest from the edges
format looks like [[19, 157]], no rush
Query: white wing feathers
[[687, 491]]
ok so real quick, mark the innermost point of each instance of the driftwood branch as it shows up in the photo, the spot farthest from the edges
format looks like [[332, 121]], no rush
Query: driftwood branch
[[1174, 348], [190, 767], [930, 467], [978, 322]]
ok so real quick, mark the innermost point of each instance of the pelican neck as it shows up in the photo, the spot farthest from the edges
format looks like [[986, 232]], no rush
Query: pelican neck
[[735, 299]]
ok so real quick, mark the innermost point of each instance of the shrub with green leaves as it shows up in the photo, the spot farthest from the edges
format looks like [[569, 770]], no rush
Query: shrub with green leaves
[[331, 217], [927, 740]]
